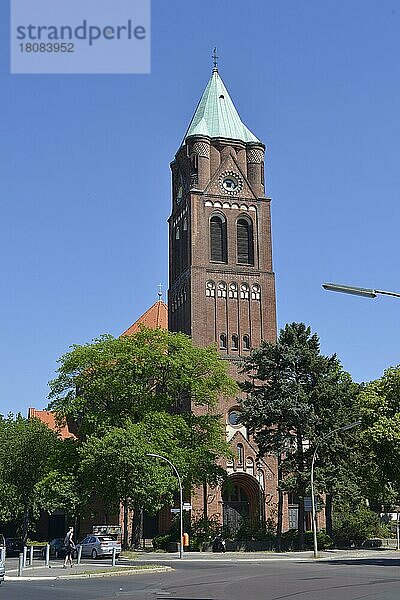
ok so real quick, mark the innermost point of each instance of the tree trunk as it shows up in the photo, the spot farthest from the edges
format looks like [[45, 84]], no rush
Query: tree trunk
[[301, 521], [125, 538], [25, 525], [137, 527], [329, 514], [280, 507], [205, 505], [300, 490]]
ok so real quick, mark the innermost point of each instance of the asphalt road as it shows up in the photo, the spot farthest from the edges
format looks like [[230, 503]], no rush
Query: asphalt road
[[342, 579]]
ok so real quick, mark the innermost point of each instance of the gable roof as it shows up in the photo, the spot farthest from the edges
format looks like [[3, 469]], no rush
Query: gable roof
[[216, 115], [155, 317], [49, 418]]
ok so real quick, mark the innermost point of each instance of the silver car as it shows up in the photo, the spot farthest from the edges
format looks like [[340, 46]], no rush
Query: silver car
[[2, 557], [99, 545]]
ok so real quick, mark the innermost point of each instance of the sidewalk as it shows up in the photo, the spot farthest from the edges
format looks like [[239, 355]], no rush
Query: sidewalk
[[84, 570], [155, 557]]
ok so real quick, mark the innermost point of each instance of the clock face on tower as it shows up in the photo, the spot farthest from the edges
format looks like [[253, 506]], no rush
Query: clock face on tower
[[230, 183]]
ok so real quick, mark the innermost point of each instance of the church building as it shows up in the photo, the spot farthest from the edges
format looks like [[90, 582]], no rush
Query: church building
[[221, 290], [221, 279]]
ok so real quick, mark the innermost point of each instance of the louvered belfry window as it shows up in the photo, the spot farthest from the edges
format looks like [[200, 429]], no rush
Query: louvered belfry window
[[218, 239], [245, 253]]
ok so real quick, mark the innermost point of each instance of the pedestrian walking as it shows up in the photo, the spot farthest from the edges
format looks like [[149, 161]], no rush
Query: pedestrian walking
[[69, 547]]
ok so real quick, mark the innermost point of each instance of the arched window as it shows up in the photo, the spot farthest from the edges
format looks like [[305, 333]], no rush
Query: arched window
[[245, 251], [233, 290], [261, 478], [222, 341], [244, 291], [222, 289], [250, 465], [255, 292], [240, 454], [235, 342], [218, 246], [246, 342], [210, 289]]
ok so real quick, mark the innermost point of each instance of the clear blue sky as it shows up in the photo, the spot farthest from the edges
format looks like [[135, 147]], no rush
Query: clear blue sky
[[85, 181]]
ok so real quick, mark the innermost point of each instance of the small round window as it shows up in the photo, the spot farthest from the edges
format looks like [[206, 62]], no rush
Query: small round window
[[230, 184], [234, 418]]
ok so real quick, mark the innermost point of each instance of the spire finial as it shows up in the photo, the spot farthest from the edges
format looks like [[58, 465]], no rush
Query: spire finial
[[215, 60], [160, 291]]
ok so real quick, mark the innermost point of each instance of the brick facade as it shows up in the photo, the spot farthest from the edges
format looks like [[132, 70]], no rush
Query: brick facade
[[208, 299]]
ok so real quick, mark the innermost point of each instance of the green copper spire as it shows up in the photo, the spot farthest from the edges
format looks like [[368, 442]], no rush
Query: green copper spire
[[216, 115]]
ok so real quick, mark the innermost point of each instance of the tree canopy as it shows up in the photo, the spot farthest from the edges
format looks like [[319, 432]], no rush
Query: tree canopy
[[28, 453], [294, 395], [155, 392], [112, 380], [379, 406]]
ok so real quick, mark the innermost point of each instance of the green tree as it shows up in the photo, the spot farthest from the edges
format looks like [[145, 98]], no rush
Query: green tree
[[27, 452], [150, 392], [117, 467], [379, 406], [64, 488], [295, 395], [120, 473], [112, 380]]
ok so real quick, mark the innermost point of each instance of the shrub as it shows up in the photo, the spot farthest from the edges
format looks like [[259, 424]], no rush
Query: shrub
[[161, 542], [252, 529], [353, 527], [290, 540], [324, 541], [203, 531]]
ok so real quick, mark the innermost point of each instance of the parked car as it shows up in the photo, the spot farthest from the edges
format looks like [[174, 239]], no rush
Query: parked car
[[13, 546], [99, 545], [57, 549], [2, 557]]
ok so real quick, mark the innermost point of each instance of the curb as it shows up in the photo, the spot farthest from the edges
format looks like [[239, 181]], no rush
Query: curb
[[127, 571]]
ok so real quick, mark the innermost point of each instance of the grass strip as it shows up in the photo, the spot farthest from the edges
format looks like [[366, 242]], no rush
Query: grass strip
[[127, 569]]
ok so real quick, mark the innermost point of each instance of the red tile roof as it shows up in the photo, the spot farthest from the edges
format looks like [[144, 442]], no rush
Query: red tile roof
[[155, 317], [48, 418]]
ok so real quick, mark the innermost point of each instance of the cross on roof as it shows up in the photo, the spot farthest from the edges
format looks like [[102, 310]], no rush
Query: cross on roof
[[215, 59]]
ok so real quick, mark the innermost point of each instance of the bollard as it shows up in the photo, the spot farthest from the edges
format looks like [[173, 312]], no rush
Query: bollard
[[20, 564], [78, 559], [47, 555], [25, 550], [2, 554], [114, 556], [31, 556]]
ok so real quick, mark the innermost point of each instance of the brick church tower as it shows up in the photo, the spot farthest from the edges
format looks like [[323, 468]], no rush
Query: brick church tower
[[221, 282]]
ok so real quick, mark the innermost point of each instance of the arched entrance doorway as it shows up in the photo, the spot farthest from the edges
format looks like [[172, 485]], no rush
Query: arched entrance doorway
[[241, 497]]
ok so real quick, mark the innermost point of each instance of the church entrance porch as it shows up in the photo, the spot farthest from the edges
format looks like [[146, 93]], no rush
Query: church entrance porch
[[242, 501]]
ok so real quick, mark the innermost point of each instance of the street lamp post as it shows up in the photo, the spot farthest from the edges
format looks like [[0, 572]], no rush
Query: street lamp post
[[314, 512], [357, 291], [366, 293], [180, 498]]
